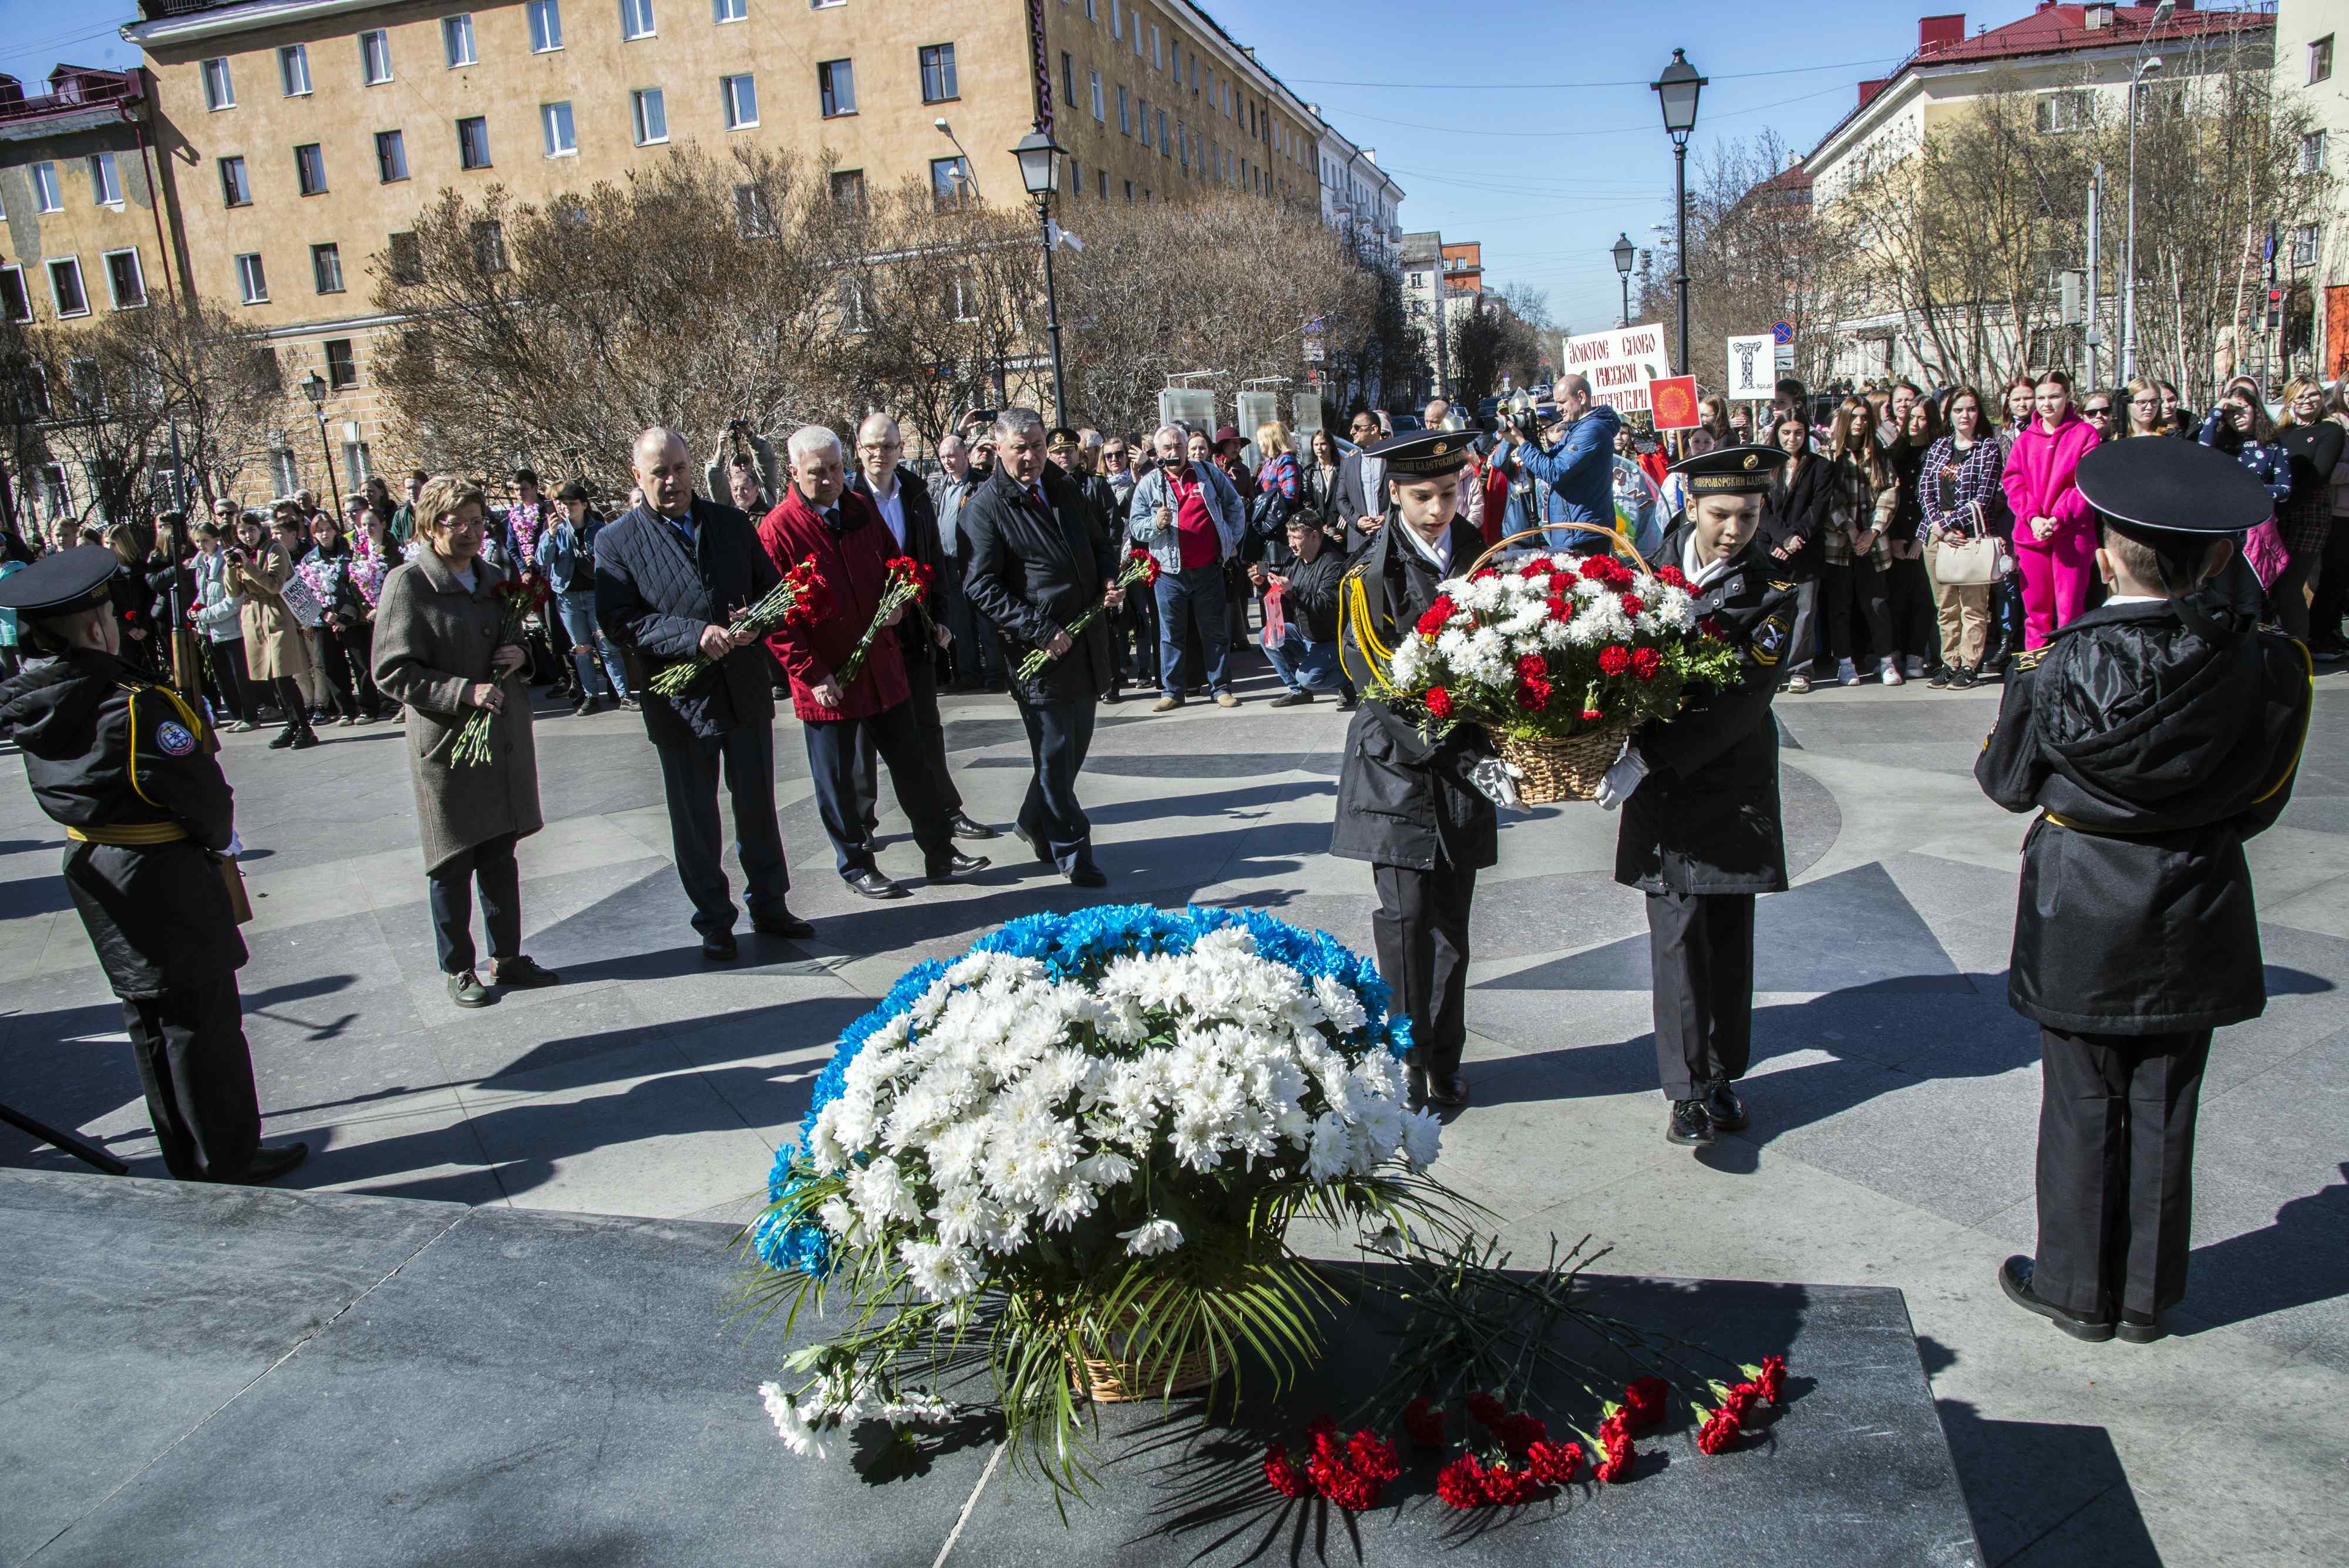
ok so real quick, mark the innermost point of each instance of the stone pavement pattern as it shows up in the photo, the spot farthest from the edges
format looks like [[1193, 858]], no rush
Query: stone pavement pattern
[[1894, 1094]]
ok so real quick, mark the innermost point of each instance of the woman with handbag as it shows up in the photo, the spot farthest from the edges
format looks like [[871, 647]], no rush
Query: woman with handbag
[[1959, 488], [274, 649], [1908, 590]]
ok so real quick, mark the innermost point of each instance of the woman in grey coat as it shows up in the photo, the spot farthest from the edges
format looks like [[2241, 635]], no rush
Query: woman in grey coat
[[437, 651]]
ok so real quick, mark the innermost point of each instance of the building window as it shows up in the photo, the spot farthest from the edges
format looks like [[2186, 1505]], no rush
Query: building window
[[554, 125], [283, 476], [1156, 58], [1165, 149], [252, 283], [848, 189], [937, 73], [1137, 35], [855, 310], [835, 83], [218, 92], [742, 97], [1101, 109], [46, 195], [457, 39], [1093, 12], [2062, 111], [105, 180], [236, 190], [489, 245], [1128, 193], [2303, 247], [754, 218], [405, 256], [1067, 82], [375, 57], [2311, 153], [824, 4], [1117, 18], [2319, 60], [326, 268], [651, 119], [729, 10], [14, 299], [310, 169], [126, 280], [636, 18], [546, 26], [1124, 113], [473, 142], [1101, 183], [1147, 139], [342, 366], [391, 156], [949, 183], [359, 466], [293, 69]]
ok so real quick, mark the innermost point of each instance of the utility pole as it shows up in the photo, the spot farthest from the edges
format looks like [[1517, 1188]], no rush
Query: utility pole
[[2096, 335]]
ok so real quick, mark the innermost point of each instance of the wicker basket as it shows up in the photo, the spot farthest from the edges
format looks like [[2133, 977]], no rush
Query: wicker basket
[[1567, 769], [1115, 1382]]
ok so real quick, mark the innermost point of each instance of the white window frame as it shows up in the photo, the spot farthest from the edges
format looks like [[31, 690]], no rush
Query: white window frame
[[327, 363], [220, 87], [1117, 19], [105, 180], [827, 84], [342, 282], [374, 50], [2313, 147], [723, 12], [1093, 12], [137, 267], [2305, 245], [824, 4], [2320, 52], [1157, 61], [457, 40], [359, 464], [1101, 105], [293, 65], [46, 195], [252, 282], [639, 101], [549, 116], [545, 26], [81, 286], [22, 292], [739, 96], [637, 21], [1137, 34]]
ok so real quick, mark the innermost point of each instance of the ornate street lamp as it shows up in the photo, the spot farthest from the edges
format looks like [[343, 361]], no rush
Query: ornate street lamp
[[1039, 171], [313, 387], [1624, 251], [1677, 89]]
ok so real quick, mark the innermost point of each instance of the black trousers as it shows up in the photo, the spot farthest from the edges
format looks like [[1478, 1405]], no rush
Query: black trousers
[[1059, 737], [227, 678], [1844, 588], [490, 863], [197, 1071], [334, 668], [2116, 1169], [355, 644], [1909, 606], [931, 733], [690, 771], [839, 751], [1421, 932], [1701, 948], [290, 703]]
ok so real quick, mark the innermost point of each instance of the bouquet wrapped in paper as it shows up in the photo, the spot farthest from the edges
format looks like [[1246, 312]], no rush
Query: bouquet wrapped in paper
[[798, 599]]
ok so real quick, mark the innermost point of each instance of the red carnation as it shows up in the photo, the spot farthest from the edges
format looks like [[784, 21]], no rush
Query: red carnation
[[1532, 667], [1738, 1400], [1614, 1431], [1438, 703], [1461, 1483], [1614, 658], [1562, 580], [1508, 1486], [1481, 574], [1373, 1457], [1555, 1464], [1487, 1409], [1643, 1400], [1285, 1478], [1425, 1422], [1772, 1378], [1633, 603], [1671, 577], [1559, 609], [1646, 662], [1592, 715], [1710, 626], [1532, 696], [1432, 624], [1535, 566], [1719, 1432], [1519, 1431], [1617, 1464], [1344, 1488]]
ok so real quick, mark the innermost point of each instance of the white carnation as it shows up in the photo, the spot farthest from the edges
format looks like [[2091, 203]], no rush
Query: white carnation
[[1422, 1136], [939, 1271]]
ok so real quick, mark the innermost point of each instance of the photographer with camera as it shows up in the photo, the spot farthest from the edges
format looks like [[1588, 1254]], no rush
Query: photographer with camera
[[740, 443], [1562, 461]]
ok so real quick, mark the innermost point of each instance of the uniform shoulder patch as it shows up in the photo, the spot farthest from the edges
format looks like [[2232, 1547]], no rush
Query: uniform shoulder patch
[[174, 739], [1787, 587], [1768, 643]]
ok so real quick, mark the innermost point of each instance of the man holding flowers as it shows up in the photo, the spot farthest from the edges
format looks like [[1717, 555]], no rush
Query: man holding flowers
[[845, 704]]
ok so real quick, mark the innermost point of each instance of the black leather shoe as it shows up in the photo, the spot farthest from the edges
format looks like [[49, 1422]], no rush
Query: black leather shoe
[[718, 947], [1447, 1093], [783, 923], [1689, 1126], [1291, 699], [306, 740], [1414, 1084], [523, 973], [873, 885], [1723, 1109], [1035, 846], [967, 827], [284, 738], [954, 864], [269, 1164], [1085, 874], [2014, 1279], [2135, 1328]]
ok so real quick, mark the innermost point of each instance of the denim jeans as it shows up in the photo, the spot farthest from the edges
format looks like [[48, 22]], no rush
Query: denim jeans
[[1192, 596], [578, 612], [1305, 665]]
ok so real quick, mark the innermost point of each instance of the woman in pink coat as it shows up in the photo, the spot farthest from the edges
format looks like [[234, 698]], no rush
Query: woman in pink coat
[[2054, 534]]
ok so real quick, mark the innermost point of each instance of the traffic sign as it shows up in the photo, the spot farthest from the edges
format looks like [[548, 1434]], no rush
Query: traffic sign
[[1781, 332]]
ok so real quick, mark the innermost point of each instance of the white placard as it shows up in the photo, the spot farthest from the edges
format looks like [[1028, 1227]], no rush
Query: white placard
[[1619, 364], [1753, 369]]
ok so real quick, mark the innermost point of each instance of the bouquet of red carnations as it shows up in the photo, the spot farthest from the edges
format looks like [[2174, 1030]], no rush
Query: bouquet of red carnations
[[798, 599], [1139, 568], [521, 598], [908, 580]]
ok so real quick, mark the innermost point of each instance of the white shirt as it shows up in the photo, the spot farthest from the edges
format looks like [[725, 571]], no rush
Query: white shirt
[[1692, 565], [1438, 554], [2135, 599], [467, 579], [891, 508]]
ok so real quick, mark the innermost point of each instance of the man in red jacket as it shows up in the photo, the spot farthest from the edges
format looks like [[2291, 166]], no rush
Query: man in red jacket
[[819, 521]]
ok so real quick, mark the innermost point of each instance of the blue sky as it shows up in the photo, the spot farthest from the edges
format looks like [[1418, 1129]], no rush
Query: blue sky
[[1504, 122]]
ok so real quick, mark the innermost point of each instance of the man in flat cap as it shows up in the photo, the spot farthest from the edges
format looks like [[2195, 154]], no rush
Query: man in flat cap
[[2153, 735], [126, 768], [1701, 833]]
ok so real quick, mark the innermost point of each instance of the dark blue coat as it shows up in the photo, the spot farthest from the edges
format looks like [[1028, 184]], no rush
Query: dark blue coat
[[653, 597]]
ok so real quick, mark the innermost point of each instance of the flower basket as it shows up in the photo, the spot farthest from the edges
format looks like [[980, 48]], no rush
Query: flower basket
[[1558, 768], [1120, 1381]]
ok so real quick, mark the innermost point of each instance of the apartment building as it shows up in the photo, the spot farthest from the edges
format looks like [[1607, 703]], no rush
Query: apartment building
[[302, 136], [2311, 68]]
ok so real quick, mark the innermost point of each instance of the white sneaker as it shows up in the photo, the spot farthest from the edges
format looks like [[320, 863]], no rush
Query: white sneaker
[[1914, 669], [1845, 674], [1891, 674]]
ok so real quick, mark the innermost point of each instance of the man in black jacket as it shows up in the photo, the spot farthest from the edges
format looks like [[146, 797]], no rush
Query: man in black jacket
[[1701, 833], [1035, 564], [901, 498], [2154, 735], [670, 577], [1306, 657], [1361, 497]]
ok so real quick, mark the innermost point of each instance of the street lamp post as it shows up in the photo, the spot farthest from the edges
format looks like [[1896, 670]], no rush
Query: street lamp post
[[313, 387], [2128, 275], [1678, 89], [1039, 171], [1623, 253]]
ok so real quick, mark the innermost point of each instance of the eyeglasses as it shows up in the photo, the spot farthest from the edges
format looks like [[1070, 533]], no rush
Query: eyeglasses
[[2098, 410]]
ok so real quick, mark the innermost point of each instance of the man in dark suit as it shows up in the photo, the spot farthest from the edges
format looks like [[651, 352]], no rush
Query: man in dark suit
[[1034, 565], [670, 577], [1361, 498], [904, 503]]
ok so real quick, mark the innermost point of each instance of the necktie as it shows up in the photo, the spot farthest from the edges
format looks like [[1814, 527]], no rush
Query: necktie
[[1039, 493]]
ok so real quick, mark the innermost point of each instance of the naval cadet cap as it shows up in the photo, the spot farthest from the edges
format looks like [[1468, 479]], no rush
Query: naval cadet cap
[[1731, 470], [1423, 454], [2149, 489], [60, 584]]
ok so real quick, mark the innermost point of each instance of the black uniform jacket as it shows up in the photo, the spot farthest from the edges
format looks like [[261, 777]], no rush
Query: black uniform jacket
[[2155, 738], [1031, 572], [916, 637], [1706, 819], [654, 593], [1403, 800], [105, 749]]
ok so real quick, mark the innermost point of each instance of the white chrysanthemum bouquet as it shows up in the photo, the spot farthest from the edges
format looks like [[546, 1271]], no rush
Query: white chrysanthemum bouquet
[[1080, 1146]]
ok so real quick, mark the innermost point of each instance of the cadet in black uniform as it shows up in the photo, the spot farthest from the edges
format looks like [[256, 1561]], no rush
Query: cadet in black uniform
[[1411, 807], [2154, 735], [1701, 832], [123, 764]]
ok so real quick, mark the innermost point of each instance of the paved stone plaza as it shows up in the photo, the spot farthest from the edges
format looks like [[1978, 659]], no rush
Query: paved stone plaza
[[1894, 1095]]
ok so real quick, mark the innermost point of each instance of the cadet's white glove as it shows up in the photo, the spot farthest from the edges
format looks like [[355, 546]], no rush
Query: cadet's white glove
[[1497, 782], [1621, 779]]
